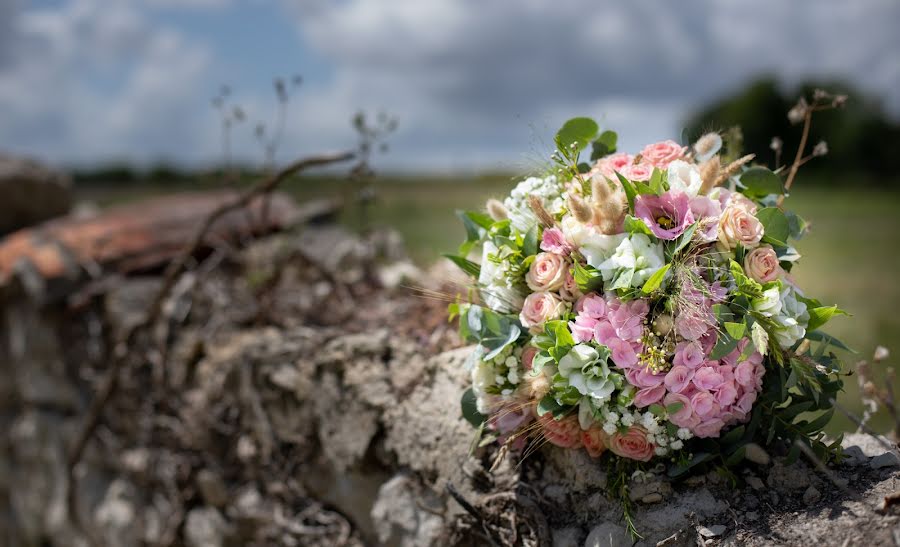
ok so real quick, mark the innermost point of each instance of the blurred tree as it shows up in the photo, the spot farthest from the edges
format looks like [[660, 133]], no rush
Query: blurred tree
[[862, 139]]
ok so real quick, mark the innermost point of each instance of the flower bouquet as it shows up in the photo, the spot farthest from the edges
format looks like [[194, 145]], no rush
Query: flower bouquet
[[641, 307]]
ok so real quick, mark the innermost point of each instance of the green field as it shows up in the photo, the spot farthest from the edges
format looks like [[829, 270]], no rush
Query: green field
[[850, 258]]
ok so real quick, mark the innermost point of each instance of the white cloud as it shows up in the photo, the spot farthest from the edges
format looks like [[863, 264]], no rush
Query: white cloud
[[95, 80]]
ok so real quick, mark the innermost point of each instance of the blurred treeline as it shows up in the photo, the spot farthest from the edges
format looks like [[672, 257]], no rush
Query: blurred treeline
[[863, 141], [862, 138]]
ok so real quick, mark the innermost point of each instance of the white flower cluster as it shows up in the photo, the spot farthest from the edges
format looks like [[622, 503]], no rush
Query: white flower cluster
[[548, 189], [497, 378], [786, 310], [657, 433]]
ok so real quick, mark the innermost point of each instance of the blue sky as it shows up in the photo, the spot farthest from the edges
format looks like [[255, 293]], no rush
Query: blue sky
[[475, 85]]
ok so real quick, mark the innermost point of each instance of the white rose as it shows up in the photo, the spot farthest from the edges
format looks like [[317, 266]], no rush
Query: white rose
[[495, 291], [684, 177], [769, 304]]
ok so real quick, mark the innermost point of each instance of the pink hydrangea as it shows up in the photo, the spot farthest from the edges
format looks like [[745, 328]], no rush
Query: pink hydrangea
[[609, 321]]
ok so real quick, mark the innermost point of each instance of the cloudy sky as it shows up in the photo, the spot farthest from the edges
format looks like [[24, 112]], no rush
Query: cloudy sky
[[475, 84]]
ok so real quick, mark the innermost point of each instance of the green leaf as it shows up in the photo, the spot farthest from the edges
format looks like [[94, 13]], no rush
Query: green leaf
[[575, 135], [723, 313], [674, 407], [465, 265], [827, 339], [760, 338], [636, 226], [819, 423], [736, 457], [643, 188], [735, 330], [821, 315], [604, 145], [685, 238], [588, 278], [469, 404], [761, 182], [630, 192], [656, 182], [496, 341], [732, 436], [724, 345], [549, 404], [656, 279], [776, 225], [530, 245], [657, 409], [679, 470]]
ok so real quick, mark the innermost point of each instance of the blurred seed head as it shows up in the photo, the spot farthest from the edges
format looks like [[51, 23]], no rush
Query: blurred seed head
[[580, 210], [820, 149], [798, 112], [777, 144], [497, 210], [881, 354], [707, 146]]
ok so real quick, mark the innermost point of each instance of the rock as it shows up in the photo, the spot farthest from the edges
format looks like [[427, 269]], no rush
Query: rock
[[755, 483], [888, 459], [656, 497], [650, 487], [853, 456], [870, 445], [712, 531], [811, 496], [32, 193], [569, 536], [205, 527], [795, 477], [751, 515], [398, 515], [212, 488], [756, 454], [608, 534], [115, 515]]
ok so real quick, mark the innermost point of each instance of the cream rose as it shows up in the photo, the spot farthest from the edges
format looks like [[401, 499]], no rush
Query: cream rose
[[539, 308], [738, 225], [632, 444], [547, 272], [761, 264]]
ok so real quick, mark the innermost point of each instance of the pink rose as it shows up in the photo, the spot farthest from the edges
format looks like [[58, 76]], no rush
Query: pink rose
[[528, 356], [688, 354], [761, 264], [554, 241], [678, 378], [594, 441], [640, 171], [661, 154], [737, 225], [682, 416], [708, 377], [547, 272], [540, 307], [570, 291], [612, 163], [649, 395], [709, 428], [565, 433], [632, 444], [737, 199]]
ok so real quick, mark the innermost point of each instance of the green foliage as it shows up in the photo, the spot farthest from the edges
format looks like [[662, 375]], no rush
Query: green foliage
[[469, 407], [488, 328], [655, 280], [776, 225], [465, 265], [760, 182], [604, 145], [575, 135]]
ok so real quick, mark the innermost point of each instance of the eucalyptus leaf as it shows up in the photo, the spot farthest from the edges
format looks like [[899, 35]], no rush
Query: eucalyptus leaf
[[761, 182]]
